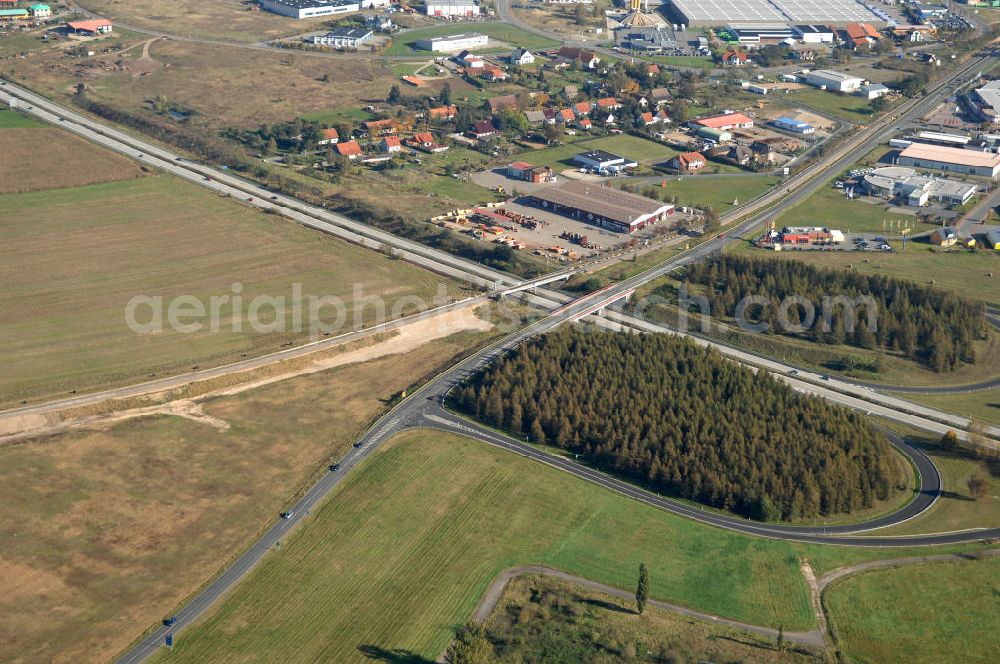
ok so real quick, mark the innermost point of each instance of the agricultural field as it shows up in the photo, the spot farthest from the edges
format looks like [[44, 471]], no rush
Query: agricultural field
[[58, 159], [106, 530], [404, 43], [554, 620], [222, 19], [929, 613], [846, 107], [432, 518], [73, 259]]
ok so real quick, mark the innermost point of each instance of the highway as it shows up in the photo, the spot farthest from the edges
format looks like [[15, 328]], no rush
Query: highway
[[423, 408]]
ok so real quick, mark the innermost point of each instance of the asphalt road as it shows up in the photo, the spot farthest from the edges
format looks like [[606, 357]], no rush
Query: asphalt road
[[423, 408]]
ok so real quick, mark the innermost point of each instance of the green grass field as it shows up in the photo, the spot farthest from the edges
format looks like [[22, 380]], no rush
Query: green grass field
[[405, 42], [541, 618], [830, 207], [718, 192], [982, 405], [964, 272], [640, 149], [955, 509], [404, 549], [75, 257], [685, 61], [940, 612], [10, 119], [846, 107]]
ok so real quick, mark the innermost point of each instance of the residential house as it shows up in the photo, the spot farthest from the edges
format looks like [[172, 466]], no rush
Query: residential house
[[535, 117], [521, 57], [483, 130], [659, 96], [584, 124], [493, 74], [944, 237], [587, 59], [581, 108], [649, 119], [738, 155], [92, 27], [570, 92], [859, 35], [735, 58], [689, 162], [608, 104], [566, 115], [350, 149], [762, 152], [652, 70], [330, 136], [380, 127], [442, 113], [470, 60], [390, 144]]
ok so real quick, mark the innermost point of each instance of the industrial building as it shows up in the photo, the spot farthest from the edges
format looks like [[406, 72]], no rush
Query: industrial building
[[521, 170], [992, 238], [453, 8], [916, 190], [794, 126], [344, 37], [987, 102], [453, 43], [724, 122], [955, 160], [704, 13], [814, 34], [602, 206], [600, 161], [834, 80], [762, 35], [314, 8], [93, 27]]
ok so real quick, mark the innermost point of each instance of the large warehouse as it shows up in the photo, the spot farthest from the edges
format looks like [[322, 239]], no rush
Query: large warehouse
[[603, 206], [838, 13], [955, 160]]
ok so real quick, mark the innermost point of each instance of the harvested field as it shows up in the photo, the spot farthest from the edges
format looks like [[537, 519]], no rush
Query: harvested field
[[72, 259], [219, 19], [37, 158], [105, 531]]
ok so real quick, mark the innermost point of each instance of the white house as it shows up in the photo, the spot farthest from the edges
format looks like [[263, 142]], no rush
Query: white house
[[522, 57]]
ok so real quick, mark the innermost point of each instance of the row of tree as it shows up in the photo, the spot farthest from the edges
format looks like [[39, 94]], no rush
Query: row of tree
[[683, 420], [926, 324]]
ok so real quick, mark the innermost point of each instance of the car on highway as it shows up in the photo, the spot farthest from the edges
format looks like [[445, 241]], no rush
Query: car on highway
[[334, 467], [357, 445], [171, 621], [274, 198], [178, 158], [287, 515]]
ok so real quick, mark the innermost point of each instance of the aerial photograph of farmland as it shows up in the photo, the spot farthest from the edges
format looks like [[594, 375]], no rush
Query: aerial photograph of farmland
[[499, 331]]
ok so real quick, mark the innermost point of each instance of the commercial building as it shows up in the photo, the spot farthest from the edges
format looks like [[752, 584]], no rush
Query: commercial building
[[344, 37], [916, 190], [724, 122], [602, 206], [314, 8], [705, 13], [834, 80], [453, 43], [872, 91], [603, 162], [453, 8], [938, 138], [794, 126], [40, 11], [955, 160]]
